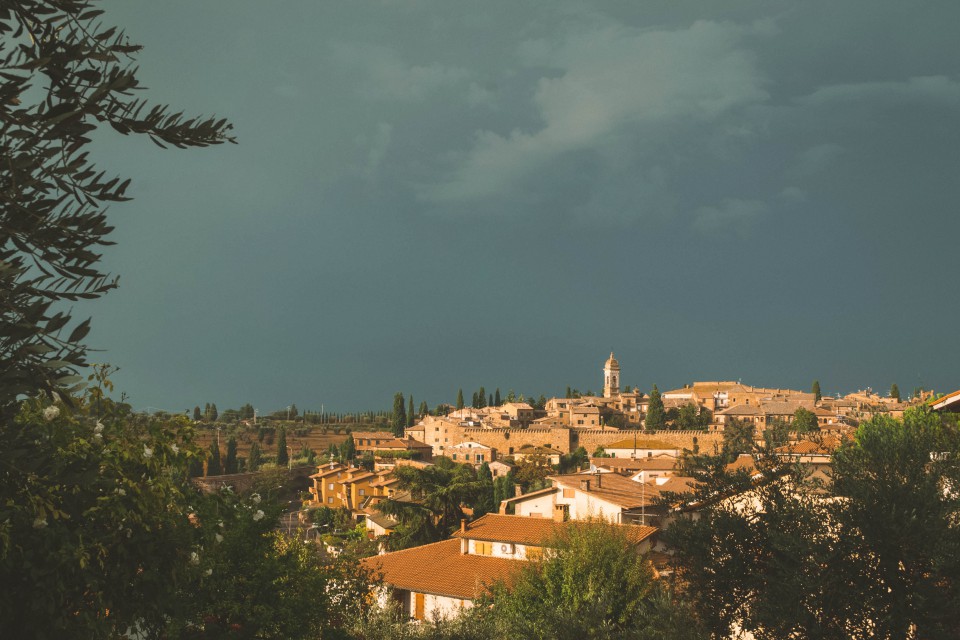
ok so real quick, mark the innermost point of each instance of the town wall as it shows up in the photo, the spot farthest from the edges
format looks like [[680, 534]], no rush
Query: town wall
[[503, 439], [708, 441]]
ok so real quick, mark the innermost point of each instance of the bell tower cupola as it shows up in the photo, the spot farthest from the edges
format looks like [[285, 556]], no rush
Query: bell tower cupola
[[611, 377]]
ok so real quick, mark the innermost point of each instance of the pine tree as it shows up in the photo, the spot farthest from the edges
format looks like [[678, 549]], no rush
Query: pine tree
[[656, 416], [816, 389], [253, 460], [496, 398], [230, 463], [895, 392], [410, 413], [197, 416], [399, 415], [460, 399], [283, 456], [213, 464]]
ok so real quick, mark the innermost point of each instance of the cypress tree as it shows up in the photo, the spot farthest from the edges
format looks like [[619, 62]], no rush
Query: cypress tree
[[656, 416], [460, 399], [253, 460], [410, 413], [197, 416], [348, 449], [481, 398], [569, 392], [490, 401], [895, 392], [399, 415], [496, 398], [213, 412], [213, 465], [283, 456], [424, 409], [230, 464], [816, 389]]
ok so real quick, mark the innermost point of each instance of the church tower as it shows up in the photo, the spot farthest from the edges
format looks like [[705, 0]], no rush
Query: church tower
[[611, 377]]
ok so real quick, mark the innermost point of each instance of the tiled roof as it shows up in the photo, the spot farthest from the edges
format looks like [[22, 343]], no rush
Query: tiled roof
[[441, 569], [642, 443], [613, 488], [741, 410], [495, 527], [638, 464]]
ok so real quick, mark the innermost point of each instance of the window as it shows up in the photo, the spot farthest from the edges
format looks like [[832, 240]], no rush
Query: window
[[363, 492], [569, 493], [479, 457], [330, 487], [483, 548], [454, 456], [330, 500]]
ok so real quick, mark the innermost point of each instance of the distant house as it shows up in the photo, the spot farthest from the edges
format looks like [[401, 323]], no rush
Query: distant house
[[382, 444], [472, 453], [499, 468], [438, 580]]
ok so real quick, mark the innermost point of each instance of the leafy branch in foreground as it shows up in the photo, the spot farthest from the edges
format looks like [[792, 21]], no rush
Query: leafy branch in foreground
[[63, 74]]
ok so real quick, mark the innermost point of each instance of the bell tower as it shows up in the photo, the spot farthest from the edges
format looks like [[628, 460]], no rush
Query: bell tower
[[611, 377]]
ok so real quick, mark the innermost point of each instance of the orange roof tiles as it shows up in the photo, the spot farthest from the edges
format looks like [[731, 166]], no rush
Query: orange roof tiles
[[494, 527], [441, 569]]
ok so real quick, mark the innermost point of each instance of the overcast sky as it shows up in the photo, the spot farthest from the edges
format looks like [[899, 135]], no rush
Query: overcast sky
[[429, 195]]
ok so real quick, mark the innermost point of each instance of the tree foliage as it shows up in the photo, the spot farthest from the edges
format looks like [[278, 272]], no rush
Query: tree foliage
[[438, 494], [593, 583], [875, 554], [283, 454], [399, 421], [65, 73], [93, 518], [816, 390], [656, 416], [804, 421]]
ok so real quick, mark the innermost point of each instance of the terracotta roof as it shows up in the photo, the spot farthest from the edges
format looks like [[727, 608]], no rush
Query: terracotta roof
[[613, 488], [638, 464], [495, 527], [743, 461], [642, 443], [944, 401], [441, 569], [381, 520]]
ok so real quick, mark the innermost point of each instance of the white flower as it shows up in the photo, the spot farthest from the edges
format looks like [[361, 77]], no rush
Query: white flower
[[258, 515], [255, 498], [219, 538], [98, 436], [121, 491], [208, 572], [147, 452], [51, 412], [174, 448], [39, 523], [194, 558], [98, 428], [220, 524]]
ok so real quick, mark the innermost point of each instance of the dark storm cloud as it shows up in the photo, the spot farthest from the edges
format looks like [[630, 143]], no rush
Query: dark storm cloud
[[430, 195]]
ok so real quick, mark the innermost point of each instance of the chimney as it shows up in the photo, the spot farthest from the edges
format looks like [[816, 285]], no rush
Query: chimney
[[585, 485], [517, 491], [463, 525], [599, 475], [558, 514]]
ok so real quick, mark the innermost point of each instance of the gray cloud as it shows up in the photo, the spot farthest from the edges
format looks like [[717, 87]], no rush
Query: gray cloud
[[611, 78]]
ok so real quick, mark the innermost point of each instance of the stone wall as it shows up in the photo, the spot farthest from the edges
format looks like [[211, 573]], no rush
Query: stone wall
[[244, 481], [504, 439], [708, 441]]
